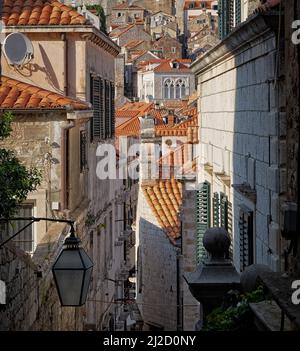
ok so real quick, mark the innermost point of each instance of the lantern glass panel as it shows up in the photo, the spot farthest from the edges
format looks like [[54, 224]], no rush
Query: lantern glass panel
[[86, 284], [69, 258]]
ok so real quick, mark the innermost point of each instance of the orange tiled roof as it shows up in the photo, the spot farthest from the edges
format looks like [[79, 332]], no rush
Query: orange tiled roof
[[18, 95], [39, 12], [129, 128], [166, 67], [132, 109], [187, 128], [132, 127], [165, 199]]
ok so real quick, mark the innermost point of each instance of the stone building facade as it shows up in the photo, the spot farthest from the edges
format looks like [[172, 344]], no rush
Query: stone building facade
[[292, 58], [165, 236], [125, 13], [167, 6], [32, 301], [165, 80], [167, 48], [85, 198], [160, 23], [242, 147], [125, 34]]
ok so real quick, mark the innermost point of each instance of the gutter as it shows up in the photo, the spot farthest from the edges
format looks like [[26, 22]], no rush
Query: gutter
[[71, 114], [66, 72], [65, 127]]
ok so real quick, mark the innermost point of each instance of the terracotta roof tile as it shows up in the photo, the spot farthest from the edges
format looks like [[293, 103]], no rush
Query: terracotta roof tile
[[165, 199], [39, 12], [129, 128], [166, 67], [18, 95], [132, 109]]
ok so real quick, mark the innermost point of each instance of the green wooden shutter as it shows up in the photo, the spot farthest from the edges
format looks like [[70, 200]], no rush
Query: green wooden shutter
[[238, 12], [246, 238], [107, 110], [202, 218], [216, 210], [229, 227], [102, 108], [223, 211], [83, 150], [96, 106], [113, 118]]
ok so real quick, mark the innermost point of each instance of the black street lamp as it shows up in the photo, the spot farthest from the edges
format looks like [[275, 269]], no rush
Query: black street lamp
[[72, 269], [72, 273]]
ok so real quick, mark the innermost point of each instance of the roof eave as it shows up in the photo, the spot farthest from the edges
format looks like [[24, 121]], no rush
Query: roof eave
[[83, 29], [80, 114]]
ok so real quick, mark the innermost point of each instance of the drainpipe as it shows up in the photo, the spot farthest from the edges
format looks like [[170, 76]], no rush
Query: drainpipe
[[65, 127], [66, 66]]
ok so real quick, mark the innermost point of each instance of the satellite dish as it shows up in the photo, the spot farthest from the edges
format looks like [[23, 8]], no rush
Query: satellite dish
[[18, 49]]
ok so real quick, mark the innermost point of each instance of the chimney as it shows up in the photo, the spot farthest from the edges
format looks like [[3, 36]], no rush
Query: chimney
[[149, 151], [171, 118]]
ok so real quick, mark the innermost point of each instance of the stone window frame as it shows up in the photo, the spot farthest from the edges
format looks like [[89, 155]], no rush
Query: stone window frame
[[174, 88], [21, 239]]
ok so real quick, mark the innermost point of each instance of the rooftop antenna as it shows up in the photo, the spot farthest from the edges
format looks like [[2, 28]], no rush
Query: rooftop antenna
[[17, 49]]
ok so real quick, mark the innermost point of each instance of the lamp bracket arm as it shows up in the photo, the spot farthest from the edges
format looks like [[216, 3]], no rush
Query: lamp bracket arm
[[33, 220]]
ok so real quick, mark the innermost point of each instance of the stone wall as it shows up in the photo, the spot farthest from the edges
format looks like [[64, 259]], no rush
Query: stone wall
[[191, 309], [292, 117], [168, 48], [32, 301], [157, 271], [166, 6], [239, 105], [135, 33]]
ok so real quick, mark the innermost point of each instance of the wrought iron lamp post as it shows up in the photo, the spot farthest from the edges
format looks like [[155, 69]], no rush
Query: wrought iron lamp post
[[72, 269]]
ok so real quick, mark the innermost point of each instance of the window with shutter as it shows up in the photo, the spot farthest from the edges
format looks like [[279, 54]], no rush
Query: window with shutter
[[222, 215], [83, 151], [216, 210], [202, 218], [112, 110], [97, 122], [238, 16], [25, 240], [246, 238], [107, 110], [102, 108]]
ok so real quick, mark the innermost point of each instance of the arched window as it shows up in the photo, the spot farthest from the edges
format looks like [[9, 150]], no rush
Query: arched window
[[172, 91], [167, 89], [183, 90], [178, 91]]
